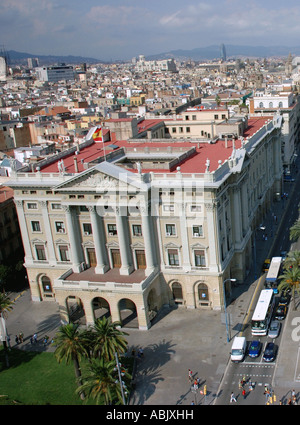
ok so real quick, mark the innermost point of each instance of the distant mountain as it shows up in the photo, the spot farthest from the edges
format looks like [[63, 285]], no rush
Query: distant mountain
[[18, 58], [213, 52]]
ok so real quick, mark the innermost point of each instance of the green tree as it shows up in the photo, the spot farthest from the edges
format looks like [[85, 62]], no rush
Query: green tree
[[70, 345], [101, 382], [292, 260], [6, 305], [107, 339], [295, 231], [290, 280]]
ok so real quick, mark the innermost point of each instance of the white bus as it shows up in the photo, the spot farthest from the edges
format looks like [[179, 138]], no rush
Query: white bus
[[263, 312], [272, 275]]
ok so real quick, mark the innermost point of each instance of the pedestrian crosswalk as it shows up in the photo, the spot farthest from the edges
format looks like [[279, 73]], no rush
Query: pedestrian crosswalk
[[258, 372]]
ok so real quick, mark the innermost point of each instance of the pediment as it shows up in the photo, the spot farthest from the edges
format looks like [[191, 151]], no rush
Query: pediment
[[102, 178]]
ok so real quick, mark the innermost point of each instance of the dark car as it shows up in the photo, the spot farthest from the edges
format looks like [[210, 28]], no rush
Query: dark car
[[254, 349], [270, 352], [284, 299], [280, 312]]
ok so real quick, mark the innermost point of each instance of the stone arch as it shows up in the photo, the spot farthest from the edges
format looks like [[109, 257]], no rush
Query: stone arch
[[75, 310], [101, 308], [44, 286], [128, 313], [177, 292], [202, 294], [152, 304]]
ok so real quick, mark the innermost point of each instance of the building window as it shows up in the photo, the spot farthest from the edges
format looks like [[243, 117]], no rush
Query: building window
[[188, 129], [194, 118], [60, 227], [40, 252], [203, 294], [137, 230], [35, 225], [56, 206], [87, 228], [169, 208], [216, 117], [177, 292], [195, 208], [173, 129], [112, 229], [170, 230], [32, 206], [197, 231], [199, 258], [46, 284], [64, 253], [173, 257]]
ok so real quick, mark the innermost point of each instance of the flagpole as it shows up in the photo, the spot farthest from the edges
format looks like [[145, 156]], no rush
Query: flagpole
[[103, 141]]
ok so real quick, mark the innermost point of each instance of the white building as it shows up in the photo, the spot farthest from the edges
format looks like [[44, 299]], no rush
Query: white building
[[142, 65], [56, 73]]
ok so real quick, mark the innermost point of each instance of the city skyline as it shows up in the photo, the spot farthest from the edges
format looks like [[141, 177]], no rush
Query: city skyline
[[123, 29]]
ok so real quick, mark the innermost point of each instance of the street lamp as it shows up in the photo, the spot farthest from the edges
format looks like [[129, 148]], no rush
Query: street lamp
[[120, 378], [224, 296]]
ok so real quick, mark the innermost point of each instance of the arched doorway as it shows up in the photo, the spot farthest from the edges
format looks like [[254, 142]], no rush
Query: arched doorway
[[152, 304], [203, 296], [128, 313], [177, 293], [101, 308], [75, 310], [46, 287]]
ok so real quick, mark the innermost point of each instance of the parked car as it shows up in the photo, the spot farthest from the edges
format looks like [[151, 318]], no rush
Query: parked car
[[274, 329], [266, 265], [254, 348], [270, 352], [280, 312], [284, 299]]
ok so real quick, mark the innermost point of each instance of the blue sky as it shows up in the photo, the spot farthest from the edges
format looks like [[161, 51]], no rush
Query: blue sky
[[122, 29]]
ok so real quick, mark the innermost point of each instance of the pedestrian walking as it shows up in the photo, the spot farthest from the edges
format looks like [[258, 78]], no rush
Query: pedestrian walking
[[141, 352], [232, 398], [31, 340], [190, 375], [21, 336], [35, 338], [244, 393]]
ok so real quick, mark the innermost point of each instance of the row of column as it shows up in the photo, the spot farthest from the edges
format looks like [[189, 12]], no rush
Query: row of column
[[100, 244]]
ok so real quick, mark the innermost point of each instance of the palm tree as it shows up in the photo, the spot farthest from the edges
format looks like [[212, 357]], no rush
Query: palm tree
[[100, 381], [295, 231], [70, 345], [107, 339], [292, 260], [290, 280], [6, 304]]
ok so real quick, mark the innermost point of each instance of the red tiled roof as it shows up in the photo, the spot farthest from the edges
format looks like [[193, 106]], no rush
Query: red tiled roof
[[215, 152]]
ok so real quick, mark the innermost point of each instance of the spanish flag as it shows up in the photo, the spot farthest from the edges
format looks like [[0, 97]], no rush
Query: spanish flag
[[97, 135]]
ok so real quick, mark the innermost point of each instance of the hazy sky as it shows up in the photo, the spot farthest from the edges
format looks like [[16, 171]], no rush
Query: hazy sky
[[122, 29]]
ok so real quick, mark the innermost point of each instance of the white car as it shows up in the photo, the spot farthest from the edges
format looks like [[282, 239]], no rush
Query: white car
[[274, 329]]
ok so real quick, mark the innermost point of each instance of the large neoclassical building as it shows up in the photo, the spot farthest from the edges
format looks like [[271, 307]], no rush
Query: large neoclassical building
[[125, 230]]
